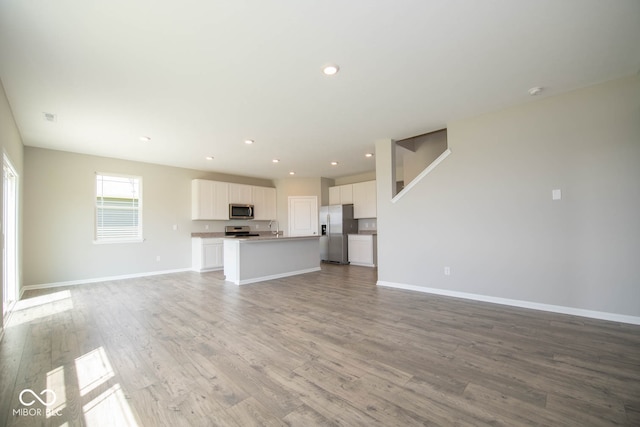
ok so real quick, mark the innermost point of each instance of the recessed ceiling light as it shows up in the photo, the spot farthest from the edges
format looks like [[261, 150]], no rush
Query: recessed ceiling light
[[330, 69], [535, 91], [292, 173], [209, 157], [334, 163], [248, 141], [369, 155], [145, 138], [276, 160]]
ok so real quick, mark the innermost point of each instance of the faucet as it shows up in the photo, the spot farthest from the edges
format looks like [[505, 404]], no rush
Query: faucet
[[277, 227]]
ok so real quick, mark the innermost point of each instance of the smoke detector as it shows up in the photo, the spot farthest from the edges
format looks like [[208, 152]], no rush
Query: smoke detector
[[50, 117], [535, 91]]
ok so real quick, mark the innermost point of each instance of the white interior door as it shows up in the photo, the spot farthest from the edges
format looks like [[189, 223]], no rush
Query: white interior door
[[303, 216]]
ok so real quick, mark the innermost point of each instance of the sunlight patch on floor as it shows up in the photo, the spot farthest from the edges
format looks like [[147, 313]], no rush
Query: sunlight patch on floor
[[55, 381], [93, 368], [109, 409], [39, 307]]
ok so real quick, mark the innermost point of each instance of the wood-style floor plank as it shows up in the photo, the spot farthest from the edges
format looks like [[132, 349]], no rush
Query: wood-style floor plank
[[326, 348]]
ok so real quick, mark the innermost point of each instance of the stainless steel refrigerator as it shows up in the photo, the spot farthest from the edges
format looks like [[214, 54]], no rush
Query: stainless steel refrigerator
[[336, 222]]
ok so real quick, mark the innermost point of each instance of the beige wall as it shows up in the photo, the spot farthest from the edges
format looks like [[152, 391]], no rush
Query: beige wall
[[11, 140], [325, 184], [237, 179], [487, 213], [297, 187], [59, 218], [352, 179], [11, 144]]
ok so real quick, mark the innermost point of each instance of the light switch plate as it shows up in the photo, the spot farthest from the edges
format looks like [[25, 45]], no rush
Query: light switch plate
[[556, 194]]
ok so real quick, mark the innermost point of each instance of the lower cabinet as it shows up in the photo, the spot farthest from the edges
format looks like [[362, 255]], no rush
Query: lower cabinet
[[363, 249], [207, 254]]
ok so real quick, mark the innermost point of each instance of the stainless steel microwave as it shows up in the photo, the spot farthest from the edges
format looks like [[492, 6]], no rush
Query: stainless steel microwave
[[240, 211]]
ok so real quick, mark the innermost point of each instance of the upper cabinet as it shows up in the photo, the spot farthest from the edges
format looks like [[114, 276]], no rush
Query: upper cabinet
[[264, 203], [240, 193], [365, 200], [341, 194], [361, 194], [346, 194], [210, 199], [334, 195]]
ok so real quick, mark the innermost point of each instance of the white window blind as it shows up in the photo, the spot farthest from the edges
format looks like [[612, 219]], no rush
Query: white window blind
[[118, 208]]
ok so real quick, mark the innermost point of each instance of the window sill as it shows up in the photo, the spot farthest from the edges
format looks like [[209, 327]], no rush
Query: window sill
[[110, 242]]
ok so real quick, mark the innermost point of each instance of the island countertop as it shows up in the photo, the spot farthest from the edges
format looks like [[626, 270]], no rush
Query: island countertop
[[261, 238], [267, 238]]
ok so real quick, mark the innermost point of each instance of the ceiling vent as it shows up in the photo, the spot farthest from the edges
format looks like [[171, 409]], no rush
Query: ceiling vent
[[50, 117]]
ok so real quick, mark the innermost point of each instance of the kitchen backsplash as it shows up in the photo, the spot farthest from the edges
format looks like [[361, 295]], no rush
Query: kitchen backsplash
[[367, 224], [218, 226]]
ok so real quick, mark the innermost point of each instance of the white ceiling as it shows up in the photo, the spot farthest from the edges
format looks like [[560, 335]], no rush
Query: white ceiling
[[201, 76]]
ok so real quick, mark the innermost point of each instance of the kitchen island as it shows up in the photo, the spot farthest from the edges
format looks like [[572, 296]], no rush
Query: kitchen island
[[256, 259]]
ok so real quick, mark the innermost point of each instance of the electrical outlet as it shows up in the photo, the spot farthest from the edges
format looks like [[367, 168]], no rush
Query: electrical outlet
[[447, 271], [158, 258], [175, 227], [206, 226]]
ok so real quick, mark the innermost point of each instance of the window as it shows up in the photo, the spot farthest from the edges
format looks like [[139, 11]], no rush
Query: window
[[118, 208]]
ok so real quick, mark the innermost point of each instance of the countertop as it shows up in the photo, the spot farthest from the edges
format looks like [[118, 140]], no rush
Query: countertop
[[261, 238], [208, 235], [366, 233], [270, 238]]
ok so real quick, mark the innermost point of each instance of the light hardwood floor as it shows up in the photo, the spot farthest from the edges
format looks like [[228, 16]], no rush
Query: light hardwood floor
[[325, 348]]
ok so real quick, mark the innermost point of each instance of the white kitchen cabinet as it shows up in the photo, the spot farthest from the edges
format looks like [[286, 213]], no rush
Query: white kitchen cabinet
[[341, 194], [365, 200], [334, 195], [240, 193], [346, 194], [209, 200], [363, 249], [207, 254], [264, 203]]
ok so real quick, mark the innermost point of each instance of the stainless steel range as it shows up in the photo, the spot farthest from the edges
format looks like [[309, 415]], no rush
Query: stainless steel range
[[239, 231]]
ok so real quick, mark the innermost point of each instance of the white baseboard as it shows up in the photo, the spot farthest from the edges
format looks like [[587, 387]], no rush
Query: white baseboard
[[276, 276], [601, 315], [7, 318], [99, 279], [361, 264], [206, 270]]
